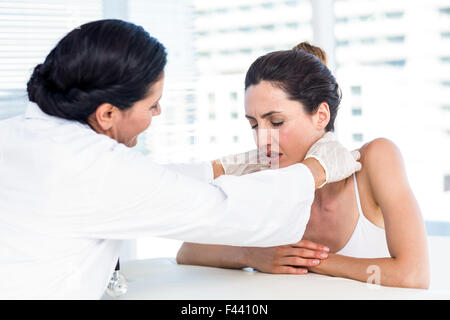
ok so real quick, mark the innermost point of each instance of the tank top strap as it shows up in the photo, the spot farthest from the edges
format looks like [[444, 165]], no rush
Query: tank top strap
[[358, 201]]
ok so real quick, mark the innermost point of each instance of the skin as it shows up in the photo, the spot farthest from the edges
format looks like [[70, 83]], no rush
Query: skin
[[126, 125], [386, 199]]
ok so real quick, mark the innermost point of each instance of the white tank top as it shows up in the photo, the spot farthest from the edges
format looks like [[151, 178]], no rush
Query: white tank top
[[367, 240]]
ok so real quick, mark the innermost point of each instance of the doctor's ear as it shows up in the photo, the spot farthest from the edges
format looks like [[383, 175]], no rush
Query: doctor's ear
[[105, 116], [322, 116]]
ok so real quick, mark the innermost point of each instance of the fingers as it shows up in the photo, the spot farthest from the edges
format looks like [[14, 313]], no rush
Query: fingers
[[290, 270], [310, 245], [306, 253], [299, 262], [356, 155]]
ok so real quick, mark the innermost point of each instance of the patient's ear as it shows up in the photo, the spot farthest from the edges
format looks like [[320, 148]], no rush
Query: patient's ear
[[322, 116]]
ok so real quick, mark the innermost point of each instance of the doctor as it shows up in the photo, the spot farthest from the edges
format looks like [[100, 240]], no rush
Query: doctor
[[71, 186]]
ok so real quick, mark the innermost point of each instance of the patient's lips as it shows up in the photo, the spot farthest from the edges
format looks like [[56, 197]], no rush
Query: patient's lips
[[274, 157]]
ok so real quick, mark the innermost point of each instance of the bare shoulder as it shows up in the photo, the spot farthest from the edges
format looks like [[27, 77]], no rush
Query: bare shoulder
[[380, 149], [383, 167], [381, 157]]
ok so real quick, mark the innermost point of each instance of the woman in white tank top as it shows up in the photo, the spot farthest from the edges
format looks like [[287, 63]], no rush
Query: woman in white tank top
[[367, 223]]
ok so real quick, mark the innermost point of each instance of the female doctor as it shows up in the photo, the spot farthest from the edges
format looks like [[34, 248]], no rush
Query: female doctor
[[71, 187]]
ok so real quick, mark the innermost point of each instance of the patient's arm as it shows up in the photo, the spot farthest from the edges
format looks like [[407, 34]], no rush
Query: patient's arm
[[405, 229], [279, 259], [211, 255]]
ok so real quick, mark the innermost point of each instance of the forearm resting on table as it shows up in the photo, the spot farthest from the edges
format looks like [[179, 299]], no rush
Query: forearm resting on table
[[390, 272], [211, 255]]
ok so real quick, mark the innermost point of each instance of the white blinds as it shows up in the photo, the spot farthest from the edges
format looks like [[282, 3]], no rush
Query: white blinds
[[29, 29]]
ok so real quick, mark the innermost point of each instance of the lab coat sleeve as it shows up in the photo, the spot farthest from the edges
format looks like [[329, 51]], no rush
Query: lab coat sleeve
[[202, 171], [137, 198]]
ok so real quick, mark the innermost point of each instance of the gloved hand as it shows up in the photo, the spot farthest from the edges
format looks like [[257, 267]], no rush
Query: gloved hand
[[336, 160], [244, 163]]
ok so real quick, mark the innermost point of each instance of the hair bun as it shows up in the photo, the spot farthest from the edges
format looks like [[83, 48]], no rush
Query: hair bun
[[314, 50], [34, 84]]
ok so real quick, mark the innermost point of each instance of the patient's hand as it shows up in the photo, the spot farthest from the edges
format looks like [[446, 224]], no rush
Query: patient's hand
[[293, 259]]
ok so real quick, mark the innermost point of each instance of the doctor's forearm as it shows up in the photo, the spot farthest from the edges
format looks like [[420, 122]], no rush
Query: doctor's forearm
[[211, 255], [312, 164]]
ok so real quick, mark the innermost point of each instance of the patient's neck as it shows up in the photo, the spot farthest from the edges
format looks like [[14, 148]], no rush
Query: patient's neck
[[327, 198]]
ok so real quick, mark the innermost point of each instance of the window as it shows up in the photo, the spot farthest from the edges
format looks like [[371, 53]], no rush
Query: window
[[445, 35], [211, 98], [343, 43], [356, 90], [444, 11], [396, 63], [190, 118], [245, 8], [368, 41], [396, 39], [356, 111], [190, 98], [394, 15], [342, 20], [268, 5], [29, 30], [269, 27], [357, 137], [245, 50], [447, 182]]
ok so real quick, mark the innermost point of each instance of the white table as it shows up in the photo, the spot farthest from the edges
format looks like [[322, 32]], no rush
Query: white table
[[163, 278]]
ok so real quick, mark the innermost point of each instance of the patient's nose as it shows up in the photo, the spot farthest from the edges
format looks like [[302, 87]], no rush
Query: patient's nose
[[267, 139]]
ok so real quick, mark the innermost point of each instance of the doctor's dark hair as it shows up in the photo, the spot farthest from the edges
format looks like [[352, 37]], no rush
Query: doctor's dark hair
[[302, 74], [105, 61]]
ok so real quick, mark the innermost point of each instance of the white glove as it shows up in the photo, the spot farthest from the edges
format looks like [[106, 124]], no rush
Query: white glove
[[246, 162], [336, 160]]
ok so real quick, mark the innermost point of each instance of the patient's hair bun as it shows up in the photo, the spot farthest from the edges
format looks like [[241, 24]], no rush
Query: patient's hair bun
[[314, 50]]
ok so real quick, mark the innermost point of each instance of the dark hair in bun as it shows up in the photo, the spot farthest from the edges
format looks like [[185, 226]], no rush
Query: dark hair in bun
[[105, 61]]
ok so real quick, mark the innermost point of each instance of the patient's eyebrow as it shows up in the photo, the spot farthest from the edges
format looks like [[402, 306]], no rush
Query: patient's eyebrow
[[264, 115]]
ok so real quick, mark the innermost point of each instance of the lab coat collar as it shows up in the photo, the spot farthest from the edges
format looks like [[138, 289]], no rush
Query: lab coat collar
[[33, 111]]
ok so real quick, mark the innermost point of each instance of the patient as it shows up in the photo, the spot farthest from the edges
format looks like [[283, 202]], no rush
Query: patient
[[368, 227]]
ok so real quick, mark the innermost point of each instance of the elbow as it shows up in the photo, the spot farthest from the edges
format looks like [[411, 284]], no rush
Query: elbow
[[181, 257], [415, 278], [417, 282]]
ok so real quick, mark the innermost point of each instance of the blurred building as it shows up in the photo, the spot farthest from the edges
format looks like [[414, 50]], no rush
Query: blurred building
[[229, 36], [393, 64]]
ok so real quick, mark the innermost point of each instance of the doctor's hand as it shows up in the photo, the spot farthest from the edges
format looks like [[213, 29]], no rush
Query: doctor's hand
[[337, 162], [291, 259], [244, 163]]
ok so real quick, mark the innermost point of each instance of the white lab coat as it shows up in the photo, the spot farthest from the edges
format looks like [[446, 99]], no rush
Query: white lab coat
[[68, 196]]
